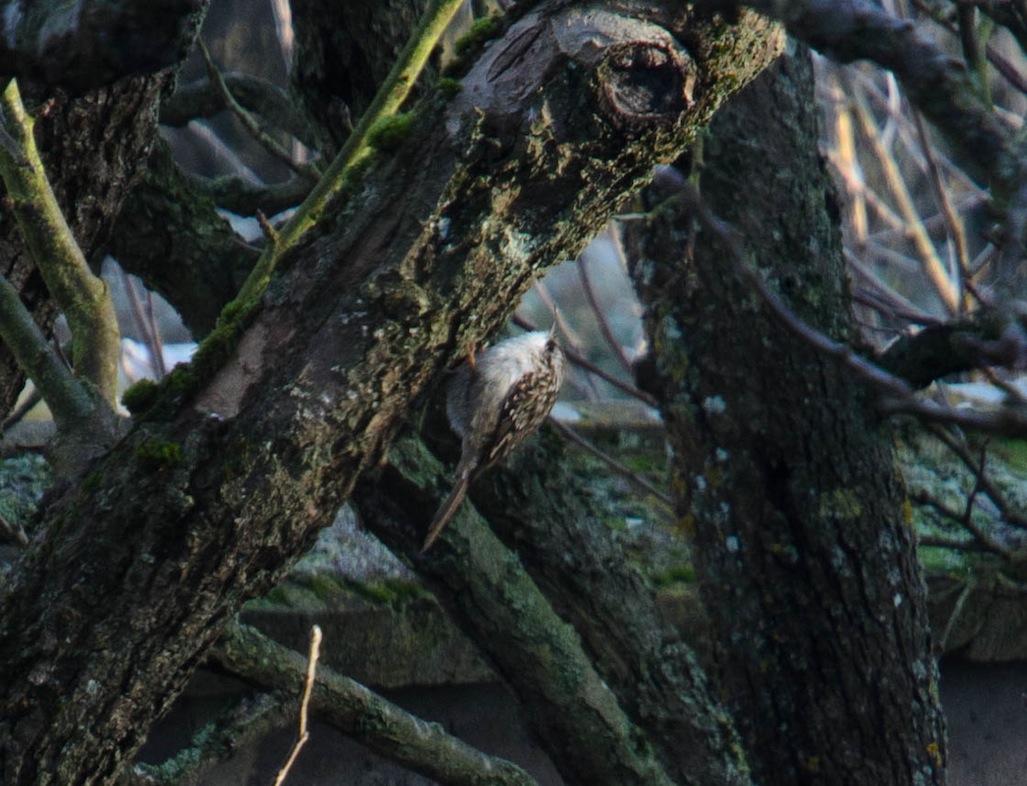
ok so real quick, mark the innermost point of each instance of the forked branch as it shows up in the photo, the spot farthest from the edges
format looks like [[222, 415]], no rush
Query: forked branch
[[83, 297]]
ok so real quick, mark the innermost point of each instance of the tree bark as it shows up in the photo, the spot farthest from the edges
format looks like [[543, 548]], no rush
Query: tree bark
[[173, 238], [540, 508], [92, 147], [219, 489], [798, 520]]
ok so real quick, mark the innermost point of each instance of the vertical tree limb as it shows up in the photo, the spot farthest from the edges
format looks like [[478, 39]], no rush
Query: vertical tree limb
[[805, 561], [83, 297]]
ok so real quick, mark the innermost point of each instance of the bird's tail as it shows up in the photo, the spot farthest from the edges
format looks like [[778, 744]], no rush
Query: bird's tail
[[446, 511]]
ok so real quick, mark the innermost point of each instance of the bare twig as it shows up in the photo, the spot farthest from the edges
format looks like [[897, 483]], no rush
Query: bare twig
[[1009, 515], [952, 219], [898, 304], [267, 228], [847, 163], [308, 686], [419, 746], [935, 82], [20, 411], [604, 324], [145, 324], [1002, 65], [937, 542], [883, 100], [203, 98], [1015, 394], [963, 519], [932, 265], [245, 195], [611, 462], [957, 612], [12, 531], [249, 122], [566, 329], [580, 360]]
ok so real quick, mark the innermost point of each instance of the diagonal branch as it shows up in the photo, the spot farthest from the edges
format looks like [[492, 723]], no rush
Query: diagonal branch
[[84, 298], [206, 97], [492, 598], [357, 149], [68, 400], [394, 733], [250, 123], [935, 81]]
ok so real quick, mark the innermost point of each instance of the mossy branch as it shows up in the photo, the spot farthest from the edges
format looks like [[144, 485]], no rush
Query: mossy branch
[[83, 297], [69, 401], [358, 148], [367, 717]]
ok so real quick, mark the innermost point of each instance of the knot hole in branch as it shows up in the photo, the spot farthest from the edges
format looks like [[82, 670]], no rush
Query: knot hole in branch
[[642, 82]]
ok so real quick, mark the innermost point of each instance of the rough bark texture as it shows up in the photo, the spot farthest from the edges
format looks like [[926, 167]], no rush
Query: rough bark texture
[[204, 506], [539, 506], [574, 713], [804, 551], [92, 148]]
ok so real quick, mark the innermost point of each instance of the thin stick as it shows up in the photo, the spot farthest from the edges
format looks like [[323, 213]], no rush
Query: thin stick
[[993, 492], [610, 461], [308, 686], [604, 325], [847, 161], [933, 268], [145, 324], [952, 219], [580, 360], [900, 305], [249, 122]]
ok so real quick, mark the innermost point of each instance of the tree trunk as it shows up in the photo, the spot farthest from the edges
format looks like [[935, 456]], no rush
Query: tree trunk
[[801, 540], [227, 478]]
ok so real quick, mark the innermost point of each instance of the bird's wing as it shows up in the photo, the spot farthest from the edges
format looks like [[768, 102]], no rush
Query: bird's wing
[[517, 417]]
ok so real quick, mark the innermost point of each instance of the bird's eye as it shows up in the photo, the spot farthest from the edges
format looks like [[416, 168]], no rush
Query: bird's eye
[[550, 345]]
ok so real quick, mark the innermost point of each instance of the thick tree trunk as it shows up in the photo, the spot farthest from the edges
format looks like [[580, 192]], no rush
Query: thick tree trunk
[[227, 481], [803, 550]]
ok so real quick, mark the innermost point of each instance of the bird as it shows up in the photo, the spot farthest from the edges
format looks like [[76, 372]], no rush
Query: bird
[[494, 401]]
